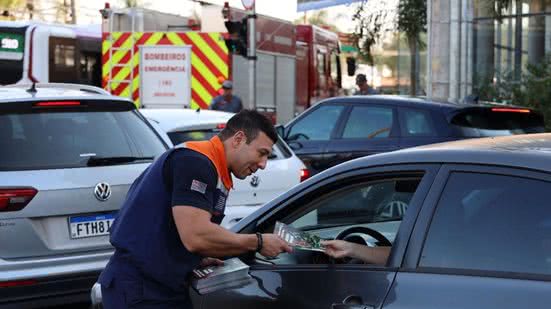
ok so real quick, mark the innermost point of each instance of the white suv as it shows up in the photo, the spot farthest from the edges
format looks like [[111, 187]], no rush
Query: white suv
[[283, 171], [68, 154]]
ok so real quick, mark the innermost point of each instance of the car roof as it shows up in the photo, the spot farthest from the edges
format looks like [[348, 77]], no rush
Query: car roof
[[24, 93], [171, 120], [530, 151], [409, 101]]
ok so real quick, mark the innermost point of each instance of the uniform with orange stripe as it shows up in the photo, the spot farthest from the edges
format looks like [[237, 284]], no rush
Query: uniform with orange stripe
[[209, 62], [171, 215]]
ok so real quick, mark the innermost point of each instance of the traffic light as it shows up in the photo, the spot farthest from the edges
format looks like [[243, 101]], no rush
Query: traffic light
[[238, 41]]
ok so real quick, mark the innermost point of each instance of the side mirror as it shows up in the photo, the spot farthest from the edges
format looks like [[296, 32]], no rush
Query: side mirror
[[280, 129], [351, 66]]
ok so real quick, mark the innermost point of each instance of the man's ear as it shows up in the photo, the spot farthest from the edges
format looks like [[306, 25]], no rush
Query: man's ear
[[239, 138]]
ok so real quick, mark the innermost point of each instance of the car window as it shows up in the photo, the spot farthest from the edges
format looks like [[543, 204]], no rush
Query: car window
[[492, 223], [369, 122], [374, 204], [317, 125], [279, 151], [68, 139], [497, 122], [416, 123], [194, 135]]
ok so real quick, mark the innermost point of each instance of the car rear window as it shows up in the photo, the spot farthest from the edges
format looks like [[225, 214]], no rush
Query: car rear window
[[195, 135], [57, 139], [202, 135], [482, 122]]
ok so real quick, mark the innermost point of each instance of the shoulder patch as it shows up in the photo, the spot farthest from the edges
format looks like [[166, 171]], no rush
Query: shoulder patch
[[198, 186]]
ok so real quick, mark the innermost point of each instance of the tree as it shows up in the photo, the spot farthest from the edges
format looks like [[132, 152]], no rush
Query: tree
[[319, 18], [412, 21], [371, 23], [8, 5]]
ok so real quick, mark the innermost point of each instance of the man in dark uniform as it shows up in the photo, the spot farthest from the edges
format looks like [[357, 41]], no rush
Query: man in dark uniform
[[169, 222], [226, 101]]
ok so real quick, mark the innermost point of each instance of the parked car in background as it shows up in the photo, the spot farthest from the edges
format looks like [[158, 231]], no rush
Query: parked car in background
[[68, 154], [475, 232], [340, 129], [283, 171]]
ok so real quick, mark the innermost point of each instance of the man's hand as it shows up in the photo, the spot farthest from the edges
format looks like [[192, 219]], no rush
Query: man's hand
[[272, 245], [338, 248], [208, 261]]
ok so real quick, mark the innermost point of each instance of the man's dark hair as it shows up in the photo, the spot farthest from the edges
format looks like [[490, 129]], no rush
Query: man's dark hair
[[251, 123]]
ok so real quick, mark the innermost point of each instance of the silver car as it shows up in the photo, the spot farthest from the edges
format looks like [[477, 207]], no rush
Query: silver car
[[68, 155]]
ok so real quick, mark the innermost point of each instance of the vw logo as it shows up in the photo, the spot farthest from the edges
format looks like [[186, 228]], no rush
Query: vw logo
[[102, 191], [255, 181]]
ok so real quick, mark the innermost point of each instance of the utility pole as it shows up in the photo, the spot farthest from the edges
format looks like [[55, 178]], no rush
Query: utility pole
[[251, 19], [73, 12], [30, 8]]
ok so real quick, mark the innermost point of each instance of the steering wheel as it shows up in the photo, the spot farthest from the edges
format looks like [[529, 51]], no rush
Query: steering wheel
[[383, 241], [296, 136]]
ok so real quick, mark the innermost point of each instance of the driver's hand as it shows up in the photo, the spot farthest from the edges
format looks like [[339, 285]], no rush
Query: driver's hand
[[272, 245], [338, 248]]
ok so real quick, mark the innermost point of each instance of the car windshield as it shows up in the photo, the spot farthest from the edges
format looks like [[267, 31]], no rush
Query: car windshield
[[49, 140]]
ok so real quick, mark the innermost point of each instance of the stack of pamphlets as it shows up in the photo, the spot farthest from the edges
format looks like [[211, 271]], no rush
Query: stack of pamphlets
[[232, 274], [298, 239]]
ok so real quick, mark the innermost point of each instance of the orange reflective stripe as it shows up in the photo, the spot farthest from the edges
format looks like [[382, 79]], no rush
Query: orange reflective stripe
[[214, 150]]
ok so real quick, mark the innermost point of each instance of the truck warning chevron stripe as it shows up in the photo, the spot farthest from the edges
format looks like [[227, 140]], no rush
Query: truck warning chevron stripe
[[209, 62]]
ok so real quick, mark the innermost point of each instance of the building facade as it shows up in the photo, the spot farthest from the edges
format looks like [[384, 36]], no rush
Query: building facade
[[475, 42]]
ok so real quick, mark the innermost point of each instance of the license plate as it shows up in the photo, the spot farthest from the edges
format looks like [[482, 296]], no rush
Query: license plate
[[91, 226]]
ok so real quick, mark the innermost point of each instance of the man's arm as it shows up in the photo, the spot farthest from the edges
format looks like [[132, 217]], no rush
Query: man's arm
[[199, 235]]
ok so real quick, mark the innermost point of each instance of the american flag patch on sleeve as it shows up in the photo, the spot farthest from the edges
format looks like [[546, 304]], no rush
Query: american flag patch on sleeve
[[198, 186]]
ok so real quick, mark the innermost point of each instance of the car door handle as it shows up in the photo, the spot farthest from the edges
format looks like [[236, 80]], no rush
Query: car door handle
[[352, 302]]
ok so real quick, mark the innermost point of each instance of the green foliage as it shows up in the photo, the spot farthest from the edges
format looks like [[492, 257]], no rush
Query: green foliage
[[11, 4], [533, 89], [412, 19], [371, 24]]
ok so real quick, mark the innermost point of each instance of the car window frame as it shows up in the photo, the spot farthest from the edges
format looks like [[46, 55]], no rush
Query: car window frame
[[420, 231], [394, 131], [275, 209]]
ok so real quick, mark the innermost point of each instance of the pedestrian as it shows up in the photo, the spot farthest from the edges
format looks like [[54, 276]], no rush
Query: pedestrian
[[169, 222], [226, 101], [364, 88]]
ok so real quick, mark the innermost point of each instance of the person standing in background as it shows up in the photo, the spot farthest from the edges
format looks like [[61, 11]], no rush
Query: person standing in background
[[226, 102]]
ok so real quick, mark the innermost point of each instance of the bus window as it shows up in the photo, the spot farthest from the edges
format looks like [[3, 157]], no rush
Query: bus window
[[334, 62], [63, 65], [90, 69], [320, 64], [12, 48]]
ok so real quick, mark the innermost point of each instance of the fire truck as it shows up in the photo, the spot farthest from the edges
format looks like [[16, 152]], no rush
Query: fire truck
[[296, 65]]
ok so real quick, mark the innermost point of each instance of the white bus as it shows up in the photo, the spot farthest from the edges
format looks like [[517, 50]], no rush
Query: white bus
[[39, 52]]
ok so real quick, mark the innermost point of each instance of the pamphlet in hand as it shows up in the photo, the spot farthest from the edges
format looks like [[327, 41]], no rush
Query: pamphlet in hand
[[297, 238]]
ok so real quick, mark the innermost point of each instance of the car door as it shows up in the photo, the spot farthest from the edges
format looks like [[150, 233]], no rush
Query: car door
[[482, 240], [368, 129], [309, 134], [327, 208]]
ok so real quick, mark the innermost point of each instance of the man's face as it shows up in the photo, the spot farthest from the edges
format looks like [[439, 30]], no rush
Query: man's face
[[251, 157], [360, 83], [227, 92]]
